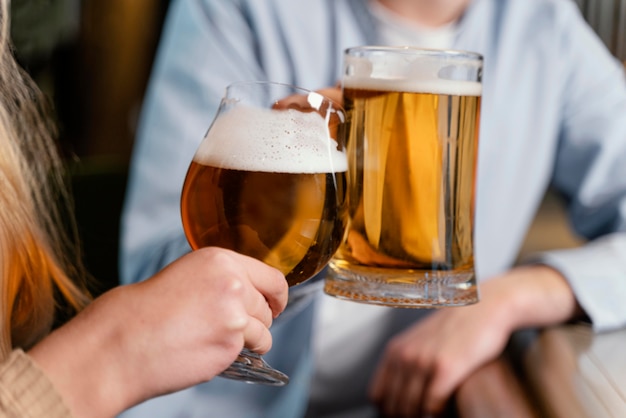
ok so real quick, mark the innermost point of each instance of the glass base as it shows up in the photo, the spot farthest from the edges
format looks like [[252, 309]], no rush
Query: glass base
[[251, 368], [402, 288]]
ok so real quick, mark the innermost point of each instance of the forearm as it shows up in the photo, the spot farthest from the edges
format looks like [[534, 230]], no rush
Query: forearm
[[82, 361], [596, 272], [531, 296]]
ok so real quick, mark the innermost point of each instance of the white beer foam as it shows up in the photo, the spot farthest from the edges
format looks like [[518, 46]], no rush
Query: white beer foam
[[399, 72], [447, 87], [282, 141]]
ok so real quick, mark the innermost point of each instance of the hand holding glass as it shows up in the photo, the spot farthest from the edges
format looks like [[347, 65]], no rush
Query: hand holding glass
[[269, 181]]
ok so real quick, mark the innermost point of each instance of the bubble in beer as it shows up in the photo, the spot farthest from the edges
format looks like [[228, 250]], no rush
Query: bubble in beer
[[287, 141]]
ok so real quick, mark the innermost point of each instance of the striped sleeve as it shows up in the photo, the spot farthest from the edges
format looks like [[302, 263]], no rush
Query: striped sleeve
[[26, 392]]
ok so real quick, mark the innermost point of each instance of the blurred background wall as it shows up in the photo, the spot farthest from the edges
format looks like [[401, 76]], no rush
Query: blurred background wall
[[93, 58]]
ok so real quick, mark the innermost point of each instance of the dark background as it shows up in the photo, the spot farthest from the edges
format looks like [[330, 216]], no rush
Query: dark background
[[92, 58]]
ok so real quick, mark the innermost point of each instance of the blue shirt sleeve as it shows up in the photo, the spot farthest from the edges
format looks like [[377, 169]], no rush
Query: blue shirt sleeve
[[590, 171]]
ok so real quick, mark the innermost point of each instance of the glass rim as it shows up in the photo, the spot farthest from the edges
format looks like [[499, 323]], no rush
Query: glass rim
[[414, 50]]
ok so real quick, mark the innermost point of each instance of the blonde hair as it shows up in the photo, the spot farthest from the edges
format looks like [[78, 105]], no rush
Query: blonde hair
[[38, 279]]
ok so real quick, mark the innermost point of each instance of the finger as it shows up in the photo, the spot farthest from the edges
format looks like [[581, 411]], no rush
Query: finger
[[452, 366], [295, 101], [379, 382], [409, 404], [332, 93], [402, 378], [257, 337], [391, 403], [267, 280], [258, 307], [383, 386], [445, 379], [271, 283], [236, 316], [404, 391]]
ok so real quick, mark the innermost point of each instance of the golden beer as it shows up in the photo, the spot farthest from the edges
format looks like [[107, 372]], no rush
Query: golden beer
[[288, 220], [412, 157]]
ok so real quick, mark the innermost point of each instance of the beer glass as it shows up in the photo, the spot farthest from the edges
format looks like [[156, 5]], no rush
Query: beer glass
[[269, 181], [413, 122]]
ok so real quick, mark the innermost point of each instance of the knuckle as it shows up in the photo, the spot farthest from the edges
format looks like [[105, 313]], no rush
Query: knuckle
[[394, 346], [235, 317], [409, 356], [217, 257], [445, 366], [221, 256]]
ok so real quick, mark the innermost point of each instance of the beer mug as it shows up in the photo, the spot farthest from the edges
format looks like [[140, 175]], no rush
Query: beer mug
[[269, 181], [412, 121]]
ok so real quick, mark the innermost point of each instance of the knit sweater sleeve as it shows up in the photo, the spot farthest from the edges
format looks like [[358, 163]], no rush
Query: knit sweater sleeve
[[26, 392]]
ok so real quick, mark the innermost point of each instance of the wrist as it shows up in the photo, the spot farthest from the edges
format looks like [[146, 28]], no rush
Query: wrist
[[82, 362], [502, 304], [532, 296]]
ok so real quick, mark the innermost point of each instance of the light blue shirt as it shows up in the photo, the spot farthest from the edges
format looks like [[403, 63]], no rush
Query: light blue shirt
[[553, 114]]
